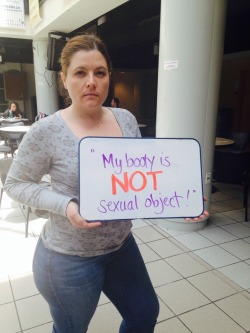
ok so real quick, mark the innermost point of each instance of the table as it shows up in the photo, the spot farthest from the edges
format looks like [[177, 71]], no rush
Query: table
[[14, 135], [13, 120], [142, 125], [15, 129], [223, 141]]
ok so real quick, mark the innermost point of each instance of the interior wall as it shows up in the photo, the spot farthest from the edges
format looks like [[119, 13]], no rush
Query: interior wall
[[137, 92], [28, 69], [5, 67], [31, 90], [231, 93]]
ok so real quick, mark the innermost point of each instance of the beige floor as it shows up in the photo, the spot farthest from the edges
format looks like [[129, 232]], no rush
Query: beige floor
[[202, 278]]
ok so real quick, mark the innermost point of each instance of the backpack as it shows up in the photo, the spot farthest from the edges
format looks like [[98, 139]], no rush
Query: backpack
[[40, 115]]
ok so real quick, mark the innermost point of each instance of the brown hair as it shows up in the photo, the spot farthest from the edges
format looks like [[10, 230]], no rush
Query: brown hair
[[85, 42], [17, 106]]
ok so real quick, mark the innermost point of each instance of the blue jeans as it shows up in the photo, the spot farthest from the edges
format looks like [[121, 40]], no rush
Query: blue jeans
[[72, 286]]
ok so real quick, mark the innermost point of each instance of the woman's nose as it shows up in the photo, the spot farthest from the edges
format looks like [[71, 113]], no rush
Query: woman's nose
[[90, 81]]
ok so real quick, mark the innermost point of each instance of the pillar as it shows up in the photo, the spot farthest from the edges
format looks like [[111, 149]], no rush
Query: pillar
[[45, 80], [190, 60]]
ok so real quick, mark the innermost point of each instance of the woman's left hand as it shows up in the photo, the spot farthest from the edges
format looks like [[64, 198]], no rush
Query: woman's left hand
[[199, 218]]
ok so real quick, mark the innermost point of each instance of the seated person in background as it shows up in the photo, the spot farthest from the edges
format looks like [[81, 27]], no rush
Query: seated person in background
[[115, 102], [13, 110]]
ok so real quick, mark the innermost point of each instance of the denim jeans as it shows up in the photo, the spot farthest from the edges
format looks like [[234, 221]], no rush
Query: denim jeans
[[72, 286]]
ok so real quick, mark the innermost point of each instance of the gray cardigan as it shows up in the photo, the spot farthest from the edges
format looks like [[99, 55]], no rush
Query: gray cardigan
[[51, 148]]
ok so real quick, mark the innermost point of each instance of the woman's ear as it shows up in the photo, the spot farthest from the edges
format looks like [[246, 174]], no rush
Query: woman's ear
[[63, 80]]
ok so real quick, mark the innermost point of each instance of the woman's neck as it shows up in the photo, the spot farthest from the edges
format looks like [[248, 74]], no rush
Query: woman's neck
[[89, 117]]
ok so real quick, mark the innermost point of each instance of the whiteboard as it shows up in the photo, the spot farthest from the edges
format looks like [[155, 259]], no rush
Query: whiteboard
[[129, 178]]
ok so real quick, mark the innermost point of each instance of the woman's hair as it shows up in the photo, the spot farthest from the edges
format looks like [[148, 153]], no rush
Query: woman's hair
[[17, 106], [85, 42], [117, 101]]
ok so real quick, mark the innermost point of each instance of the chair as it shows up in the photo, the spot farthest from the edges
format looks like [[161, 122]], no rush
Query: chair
[[5, 149], [5, 164], [13, 140], [232, 165]]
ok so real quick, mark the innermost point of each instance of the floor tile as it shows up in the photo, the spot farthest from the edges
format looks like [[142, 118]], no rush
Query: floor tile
[[210, 319], [172, 326], [239, 273], [221, 206], [165, 312], [23, 286], [8, 319], [216, 256], [138, 240], [147, 234], [46, 328], [170, 232], [33, 311], [236, 215], [162, 273], [238, 308], [195, 272], [239, 248], [235, 203], [139, 223], [19, 258], [217, 235], [106, 319], [220, 219], [103, 299], [6, 295], [238, 230], [187, 265], [194, 241], [181, 296], [165, 248], [147, 253], [212, 286], [218, 196]]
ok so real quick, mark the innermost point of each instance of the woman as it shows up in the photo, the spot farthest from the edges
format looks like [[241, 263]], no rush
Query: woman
[[13, 111], [75, 260]]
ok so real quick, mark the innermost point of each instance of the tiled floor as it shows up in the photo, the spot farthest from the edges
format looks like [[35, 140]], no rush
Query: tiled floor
[[202, 278]]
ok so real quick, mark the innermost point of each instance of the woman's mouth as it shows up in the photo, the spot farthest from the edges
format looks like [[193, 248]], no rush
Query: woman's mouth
[[90, 95]]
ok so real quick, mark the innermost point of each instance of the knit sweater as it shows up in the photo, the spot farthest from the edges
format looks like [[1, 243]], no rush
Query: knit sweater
[[49, 147]]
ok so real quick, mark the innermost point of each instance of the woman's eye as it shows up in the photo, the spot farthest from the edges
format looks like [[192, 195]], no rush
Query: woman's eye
[[80, 73], [101, 73]]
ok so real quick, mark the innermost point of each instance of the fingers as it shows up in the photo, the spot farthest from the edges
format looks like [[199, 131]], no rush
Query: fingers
[[83, 224], [77, 220], [199, 218]]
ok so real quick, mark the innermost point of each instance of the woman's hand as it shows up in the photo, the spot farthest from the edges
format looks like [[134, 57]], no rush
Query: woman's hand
[[199, 218], [76, 220]]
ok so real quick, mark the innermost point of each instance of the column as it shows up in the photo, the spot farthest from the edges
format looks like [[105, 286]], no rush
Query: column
[[45, 80], [190, 59]]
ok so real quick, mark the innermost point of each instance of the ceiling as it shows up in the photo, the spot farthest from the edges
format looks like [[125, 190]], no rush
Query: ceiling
[[131, 30]]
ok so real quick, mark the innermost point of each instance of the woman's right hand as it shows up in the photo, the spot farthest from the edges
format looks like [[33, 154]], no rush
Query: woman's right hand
[[75, 218]]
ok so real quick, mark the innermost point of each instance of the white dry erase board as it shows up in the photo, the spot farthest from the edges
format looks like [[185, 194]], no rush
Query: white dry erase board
[[129, 178]]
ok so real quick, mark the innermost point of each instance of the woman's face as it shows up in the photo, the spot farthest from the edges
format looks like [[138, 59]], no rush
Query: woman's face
[[87, 79], [13, 107]]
